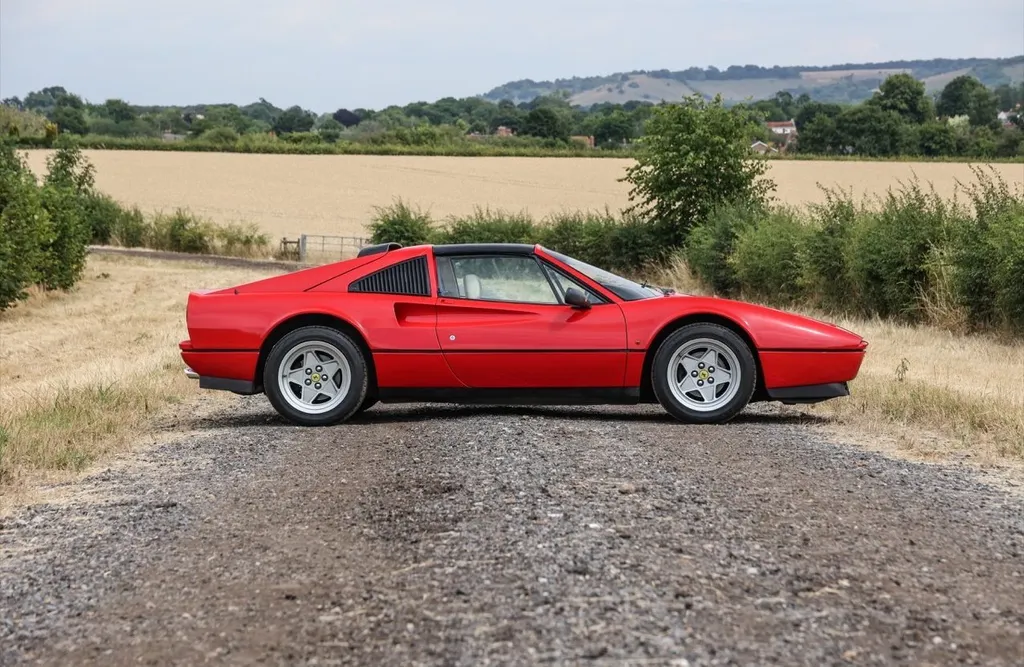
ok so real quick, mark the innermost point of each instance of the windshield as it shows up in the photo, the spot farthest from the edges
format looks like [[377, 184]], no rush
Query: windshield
[[627, 290]]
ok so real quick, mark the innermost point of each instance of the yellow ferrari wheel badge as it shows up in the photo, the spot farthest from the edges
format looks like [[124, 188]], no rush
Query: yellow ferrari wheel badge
[[704, 375], [316, 377]]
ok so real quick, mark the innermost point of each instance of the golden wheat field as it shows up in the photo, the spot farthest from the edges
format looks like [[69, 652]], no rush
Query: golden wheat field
[[287, 195]]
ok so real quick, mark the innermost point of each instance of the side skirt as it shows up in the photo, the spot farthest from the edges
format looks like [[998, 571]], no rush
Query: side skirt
[[815, 393], [516, 396]]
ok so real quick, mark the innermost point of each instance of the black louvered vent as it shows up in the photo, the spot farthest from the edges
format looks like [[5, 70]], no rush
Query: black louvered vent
[[408, 277]]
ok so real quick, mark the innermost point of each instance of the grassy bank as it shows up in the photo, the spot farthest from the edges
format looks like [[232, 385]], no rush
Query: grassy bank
[[83, 374]]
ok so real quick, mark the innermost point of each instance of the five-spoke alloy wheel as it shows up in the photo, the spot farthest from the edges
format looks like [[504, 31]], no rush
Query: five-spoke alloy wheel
[[704, 373], [315, 376]]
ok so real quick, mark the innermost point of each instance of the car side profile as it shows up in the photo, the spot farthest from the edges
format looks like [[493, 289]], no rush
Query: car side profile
[[502, 324]]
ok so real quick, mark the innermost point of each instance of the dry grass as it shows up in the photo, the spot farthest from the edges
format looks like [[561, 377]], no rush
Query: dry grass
[[82, 373], [922, 391], [286, 195]]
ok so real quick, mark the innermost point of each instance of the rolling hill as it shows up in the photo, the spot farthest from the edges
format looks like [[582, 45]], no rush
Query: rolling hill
[[832, 83]]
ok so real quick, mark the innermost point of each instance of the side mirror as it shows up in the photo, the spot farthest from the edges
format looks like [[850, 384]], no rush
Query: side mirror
[[576, 298]]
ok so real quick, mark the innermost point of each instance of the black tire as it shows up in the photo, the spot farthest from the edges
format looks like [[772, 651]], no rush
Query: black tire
[[357, 390], [723, 336]]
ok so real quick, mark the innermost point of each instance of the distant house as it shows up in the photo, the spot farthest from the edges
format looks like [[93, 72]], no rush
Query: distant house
[[762, 148], [503, 131], [171, 136], [782, 127]]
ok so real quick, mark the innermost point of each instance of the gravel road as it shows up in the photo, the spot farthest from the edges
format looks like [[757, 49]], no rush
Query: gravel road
[[437, 535]]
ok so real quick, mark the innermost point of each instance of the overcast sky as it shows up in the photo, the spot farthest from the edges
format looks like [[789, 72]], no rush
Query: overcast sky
[[323, 54]]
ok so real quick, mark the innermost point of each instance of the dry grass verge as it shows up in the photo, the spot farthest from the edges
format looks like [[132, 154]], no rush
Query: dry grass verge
[[83, 373]]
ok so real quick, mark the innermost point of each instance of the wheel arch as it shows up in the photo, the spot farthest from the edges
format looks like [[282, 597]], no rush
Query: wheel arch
[[646, 385], [291, 324]]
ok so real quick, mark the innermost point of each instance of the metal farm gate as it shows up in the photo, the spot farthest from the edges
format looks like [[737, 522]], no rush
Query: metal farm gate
[[320, 249]]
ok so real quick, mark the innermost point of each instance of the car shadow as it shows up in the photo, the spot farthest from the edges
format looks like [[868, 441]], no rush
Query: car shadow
[[413, 413]]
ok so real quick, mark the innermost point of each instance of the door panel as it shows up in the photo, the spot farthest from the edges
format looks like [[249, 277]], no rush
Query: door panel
[[490, 345]]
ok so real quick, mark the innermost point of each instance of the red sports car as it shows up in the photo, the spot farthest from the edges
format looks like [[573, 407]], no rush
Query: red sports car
[[501, 324]]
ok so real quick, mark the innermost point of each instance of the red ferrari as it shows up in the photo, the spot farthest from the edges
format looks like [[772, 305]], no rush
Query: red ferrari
[[501, 324]]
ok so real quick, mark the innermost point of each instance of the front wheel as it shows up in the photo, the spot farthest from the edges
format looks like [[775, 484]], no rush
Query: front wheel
[[315, 376], [704, 374]]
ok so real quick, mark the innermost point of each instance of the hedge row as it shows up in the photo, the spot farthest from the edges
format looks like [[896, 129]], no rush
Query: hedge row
[[915, 257], [627, 244], [266, 144]]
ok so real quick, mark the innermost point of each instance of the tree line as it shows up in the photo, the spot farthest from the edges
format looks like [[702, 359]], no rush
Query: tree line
[[900, 119]]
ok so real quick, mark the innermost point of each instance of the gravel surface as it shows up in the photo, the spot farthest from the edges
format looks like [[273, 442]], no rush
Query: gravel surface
[[473, 536]]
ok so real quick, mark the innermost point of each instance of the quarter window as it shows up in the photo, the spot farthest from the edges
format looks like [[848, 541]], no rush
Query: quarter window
[[500, 278]]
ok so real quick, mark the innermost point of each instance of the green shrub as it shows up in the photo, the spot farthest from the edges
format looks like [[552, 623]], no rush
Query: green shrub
[[102, 213], [888, 253], [711, 244], [221, 136], [767, 257], [181, 231], [24, 227], [66, 189], [241, 240], [130, 228], [486, 226], [64, 255], [584, 236], [1006, 240], [400, 223], [825, 278]]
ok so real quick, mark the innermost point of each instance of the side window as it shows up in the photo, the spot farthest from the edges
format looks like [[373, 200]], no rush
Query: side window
[[499, 278], [564, 282]]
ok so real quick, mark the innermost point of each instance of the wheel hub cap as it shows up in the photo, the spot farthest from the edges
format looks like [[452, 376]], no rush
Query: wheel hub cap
[[704, 374], [314, 377]]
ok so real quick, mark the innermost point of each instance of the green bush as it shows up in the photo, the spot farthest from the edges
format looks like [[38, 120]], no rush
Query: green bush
[[888, 253], [64, 254], [711, 244], [24, 227], [1006, 239], [400, 223], [66, 189], [767, 257], [102, 213], [220, 136], [486, 226], [181, 231], [130, 228], [240, 240], [825, 279]]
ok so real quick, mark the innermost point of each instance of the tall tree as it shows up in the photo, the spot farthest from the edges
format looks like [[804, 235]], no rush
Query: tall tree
[[905, 95], [966, 96], [695, 156]]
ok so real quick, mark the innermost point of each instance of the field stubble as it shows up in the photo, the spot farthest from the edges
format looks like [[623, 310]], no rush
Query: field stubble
[[287, 195]]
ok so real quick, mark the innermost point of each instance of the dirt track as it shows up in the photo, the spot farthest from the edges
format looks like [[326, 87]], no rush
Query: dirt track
[[436, 535]]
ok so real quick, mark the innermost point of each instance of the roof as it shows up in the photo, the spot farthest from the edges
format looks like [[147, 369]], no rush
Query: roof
[[483, 249], [781, 123]]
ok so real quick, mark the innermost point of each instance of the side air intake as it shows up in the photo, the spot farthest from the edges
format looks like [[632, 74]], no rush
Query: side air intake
[[408, 278]]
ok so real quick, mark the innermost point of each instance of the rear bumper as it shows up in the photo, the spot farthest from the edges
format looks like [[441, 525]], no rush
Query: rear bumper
[[807, 394], [224, 370]]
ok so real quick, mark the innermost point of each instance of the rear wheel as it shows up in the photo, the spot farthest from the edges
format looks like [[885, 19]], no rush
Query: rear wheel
[[704, 374], [315, 376]]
